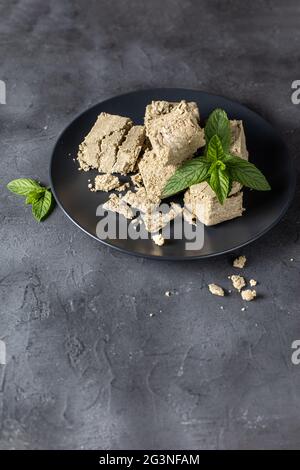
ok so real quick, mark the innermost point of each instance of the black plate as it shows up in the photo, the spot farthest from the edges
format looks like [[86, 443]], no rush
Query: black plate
[[263, 209]]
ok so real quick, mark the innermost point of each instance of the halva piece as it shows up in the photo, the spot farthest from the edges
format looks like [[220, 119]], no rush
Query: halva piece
[[129, 150], [202, 202], [100, 146], [155, 174], [175, 135], [159, 108]]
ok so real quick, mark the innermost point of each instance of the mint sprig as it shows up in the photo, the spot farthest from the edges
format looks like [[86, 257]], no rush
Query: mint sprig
[[246, 173], [218, 167], [191, 172], [219, 181], [37, 195]]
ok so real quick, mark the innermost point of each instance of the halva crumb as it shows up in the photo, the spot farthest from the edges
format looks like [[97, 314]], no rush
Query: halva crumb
[[248, 294], [216, 290], [158, 239], [106, 182], [238, 282], [252, 282], [239, 262]]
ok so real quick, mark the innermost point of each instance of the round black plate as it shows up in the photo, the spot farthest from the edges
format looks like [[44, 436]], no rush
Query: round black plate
[[263, 209]]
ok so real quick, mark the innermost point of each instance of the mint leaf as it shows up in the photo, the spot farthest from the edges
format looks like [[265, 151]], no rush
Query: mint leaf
[[42, 207], [192, 172], [218, 124], [220, 183], [246, 173], [214, 149], [34, 196], [23, 186]]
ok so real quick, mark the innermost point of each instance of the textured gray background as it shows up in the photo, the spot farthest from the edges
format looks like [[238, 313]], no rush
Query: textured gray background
[[87, 365]]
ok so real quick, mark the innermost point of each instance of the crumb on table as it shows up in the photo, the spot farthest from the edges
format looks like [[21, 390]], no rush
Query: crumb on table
[[216, 290]]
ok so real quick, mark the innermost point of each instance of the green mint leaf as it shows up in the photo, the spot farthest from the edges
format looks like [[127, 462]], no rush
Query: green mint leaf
[[34, 196], [218, 124], [214, 149], [23, 186], [41, 208], [220, 183], [192, 172], [246, 173]]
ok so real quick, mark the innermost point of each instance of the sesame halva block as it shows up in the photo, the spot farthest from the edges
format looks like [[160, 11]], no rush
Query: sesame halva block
[[158, 108], [129, 150], [100, 146], [238, 139], [175, 135], [155, 174], [202, 202]]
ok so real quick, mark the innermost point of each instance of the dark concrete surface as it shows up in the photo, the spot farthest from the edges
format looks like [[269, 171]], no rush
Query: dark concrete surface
[[87, 366]]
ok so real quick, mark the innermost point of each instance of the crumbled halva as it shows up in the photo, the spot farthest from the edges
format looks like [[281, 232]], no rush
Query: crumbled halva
[[100, 146], [123, 187], [155, 221], [115, 204], [240, 262], [106, 183], [176, 135], [238, 282], [216, 290], [137, 180], [248, 294], [158, 239], [139, 200], [252, 282]]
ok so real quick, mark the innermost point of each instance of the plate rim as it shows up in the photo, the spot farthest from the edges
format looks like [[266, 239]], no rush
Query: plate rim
[[291, 190]]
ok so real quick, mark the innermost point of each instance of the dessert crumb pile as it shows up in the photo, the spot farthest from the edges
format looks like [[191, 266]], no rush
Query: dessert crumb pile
[[238, 282]]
